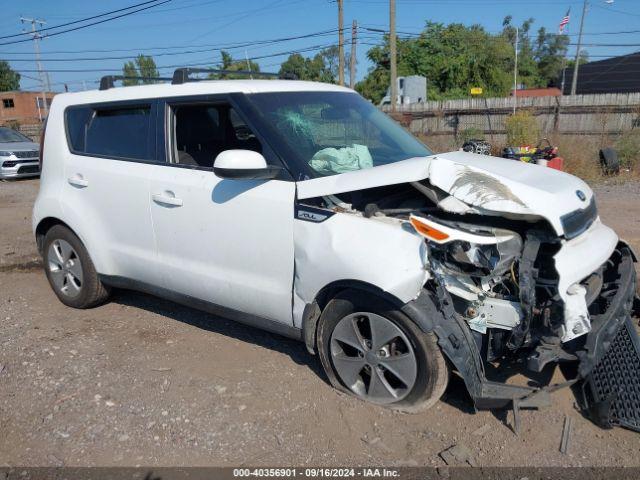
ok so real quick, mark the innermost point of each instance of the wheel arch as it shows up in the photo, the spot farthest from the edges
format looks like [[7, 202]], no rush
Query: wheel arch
[[44, 226], [313, 310], [48, 223]]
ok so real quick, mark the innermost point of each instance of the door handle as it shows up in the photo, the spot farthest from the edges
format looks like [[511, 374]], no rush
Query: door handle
[[78, 181], [167, 198]]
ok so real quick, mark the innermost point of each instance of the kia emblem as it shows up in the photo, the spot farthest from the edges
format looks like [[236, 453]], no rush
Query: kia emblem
[[581, 195]]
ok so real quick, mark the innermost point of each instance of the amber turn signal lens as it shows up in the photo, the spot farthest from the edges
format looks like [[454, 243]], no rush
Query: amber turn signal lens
[[428, 231]]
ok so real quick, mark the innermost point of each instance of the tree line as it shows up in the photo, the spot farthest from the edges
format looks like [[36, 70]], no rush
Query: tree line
[[454, 58]]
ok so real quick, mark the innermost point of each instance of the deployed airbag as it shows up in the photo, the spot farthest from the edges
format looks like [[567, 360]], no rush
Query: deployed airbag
[[330, 161]]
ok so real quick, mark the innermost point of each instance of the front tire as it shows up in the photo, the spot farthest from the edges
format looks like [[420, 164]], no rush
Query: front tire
[[373, 351], [70, 271]]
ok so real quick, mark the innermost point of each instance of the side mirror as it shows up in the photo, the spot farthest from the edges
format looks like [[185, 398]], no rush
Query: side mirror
[[243, 165]]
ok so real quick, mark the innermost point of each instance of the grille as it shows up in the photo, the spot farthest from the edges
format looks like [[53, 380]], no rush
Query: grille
[[612, 389], [29, 154], [29, 169], [578, 221], [13, 163]]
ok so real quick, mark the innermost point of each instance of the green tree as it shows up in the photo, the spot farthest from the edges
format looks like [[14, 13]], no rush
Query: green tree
[[143, 66], [375, 84], [550, 55], [231, 64], [528, 74], [456, 57], [453, 58], [296, 65], [584, 58], [9, 79], [147, 68], [130, 70], [322, 67]]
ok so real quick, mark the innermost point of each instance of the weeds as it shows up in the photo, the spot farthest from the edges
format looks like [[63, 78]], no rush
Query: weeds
[[628, 148], [522, 129], [580, 153]]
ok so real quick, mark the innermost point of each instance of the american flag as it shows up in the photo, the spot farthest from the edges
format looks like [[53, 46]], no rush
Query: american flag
[[564, 22]]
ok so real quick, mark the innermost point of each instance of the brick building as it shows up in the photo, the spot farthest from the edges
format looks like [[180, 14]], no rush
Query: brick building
[[24, 108]]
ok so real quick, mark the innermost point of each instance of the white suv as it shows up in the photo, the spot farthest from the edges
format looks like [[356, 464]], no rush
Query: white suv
[[300, 208]]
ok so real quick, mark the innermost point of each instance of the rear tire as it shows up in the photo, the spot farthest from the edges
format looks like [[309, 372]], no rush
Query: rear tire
[[70, 271], [407, 373]]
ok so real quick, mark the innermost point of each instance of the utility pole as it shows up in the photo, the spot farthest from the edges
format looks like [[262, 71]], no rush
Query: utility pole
[[574, 80], [392, 54], [44, 79], [515, 74], [246, 57], [352, 61], [341, 41]]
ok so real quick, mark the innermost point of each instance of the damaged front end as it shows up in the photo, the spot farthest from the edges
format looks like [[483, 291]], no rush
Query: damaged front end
[[517, 318], [513, 285], [532, 298]]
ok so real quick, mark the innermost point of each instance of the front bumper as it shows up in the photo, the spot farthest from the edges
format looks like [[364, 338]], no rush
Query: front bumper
[[19, 168], [605, 326], [576, 260], [433, 312], [610, 361]]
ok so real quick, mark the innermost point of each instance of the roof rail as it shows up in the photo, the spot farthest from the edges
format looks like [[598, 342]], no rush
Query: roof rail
[[181, 75], [107, 81]]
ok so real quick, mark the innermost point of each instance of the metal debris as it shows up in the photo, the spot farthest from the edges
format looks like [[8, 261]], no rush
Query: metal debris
[[566, 434]]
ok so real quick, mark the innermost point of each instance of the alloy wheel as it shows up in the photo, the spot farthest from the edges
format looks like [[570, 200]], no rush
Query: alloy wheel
[[373, 357], [65, 268]]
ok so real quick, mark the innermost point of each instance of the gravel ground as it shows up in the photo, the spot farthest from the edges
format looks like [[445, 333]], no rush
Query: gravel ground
[[142, 381]]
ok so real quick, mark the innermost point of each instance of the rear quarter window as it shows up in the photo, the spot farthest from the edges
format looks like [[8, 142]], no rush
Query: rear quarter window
[[116, 132]]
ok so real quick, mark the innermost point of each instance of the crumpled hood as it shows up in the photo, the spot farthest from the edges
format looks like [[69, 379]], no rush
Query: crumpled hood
[[487, 183], [509, 186]]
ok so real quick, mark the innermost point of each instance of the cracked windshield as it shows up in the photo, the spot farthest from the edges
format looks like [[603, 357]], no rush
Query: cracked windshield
[[331, 133]]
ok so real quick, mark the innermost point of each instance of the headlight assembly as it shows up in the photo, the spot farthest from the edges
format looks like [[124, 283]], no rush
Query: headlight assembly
[[476, 250]]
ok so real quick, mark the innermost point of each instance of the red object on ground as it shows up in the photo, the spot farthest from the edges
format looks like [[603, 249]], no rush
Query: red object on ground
[[557, 163]]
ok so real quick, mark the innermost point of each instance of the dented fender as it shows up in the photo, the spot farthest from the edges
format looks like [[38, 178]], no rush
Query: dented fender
[[340, 248]]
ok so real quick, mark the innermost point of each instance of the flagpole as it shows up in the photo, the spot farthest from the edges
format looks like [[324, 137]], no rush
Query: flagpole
[[564, 23], [564, 57], [515, 75], [574, 79]]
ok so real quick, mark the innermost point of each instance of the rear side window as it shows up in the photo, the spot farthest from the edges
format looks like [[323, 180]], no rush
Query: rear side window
[[118, 132]]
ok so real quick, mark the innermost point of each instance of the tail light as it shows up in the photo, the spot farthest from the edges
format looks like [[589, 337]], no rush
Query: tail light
[[41, 153]]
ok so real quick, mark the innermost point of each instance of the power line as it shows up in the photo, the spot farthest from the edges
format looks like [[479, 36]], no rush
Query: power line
[[78, 21], [617, 11], [498, 32], [498, 37], [259, 57], [213, 45], [186, 52], [90, 24]]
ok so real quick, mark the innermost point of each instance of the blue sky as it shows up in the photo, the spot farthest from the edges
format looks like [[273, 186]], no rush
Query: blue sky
[[203, 26]]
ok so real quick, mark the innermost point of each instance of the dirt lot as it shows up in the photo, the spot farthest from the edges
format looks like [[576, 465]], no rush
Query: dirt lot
[[141, 381]]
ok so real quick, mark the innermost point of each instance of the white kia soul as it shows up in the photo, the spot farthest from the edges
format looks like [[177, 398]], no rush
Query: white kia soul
[[301, 208]]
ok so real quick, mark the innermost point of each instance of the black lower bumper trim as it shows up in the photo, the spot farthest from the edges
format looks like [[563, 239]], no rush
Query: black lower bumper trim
[[611, 392], [605, 327]]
